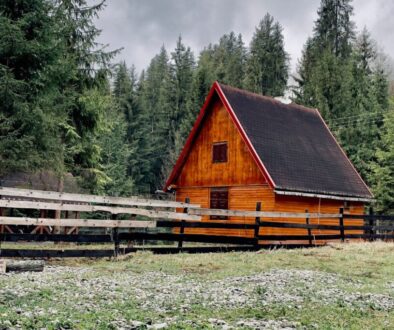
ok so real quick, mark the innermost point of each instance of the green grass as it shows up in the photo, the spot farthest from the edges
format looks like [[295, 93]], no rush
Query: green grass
[[367, 268]]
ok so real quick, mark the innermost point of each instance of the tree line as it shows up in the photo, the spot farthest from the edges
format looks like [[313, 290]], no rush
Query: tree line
[[66, 107]]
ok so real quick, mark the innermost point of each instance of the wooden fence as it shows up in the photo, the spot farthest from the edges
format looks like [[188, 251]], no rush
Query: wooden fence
[[162, 215]]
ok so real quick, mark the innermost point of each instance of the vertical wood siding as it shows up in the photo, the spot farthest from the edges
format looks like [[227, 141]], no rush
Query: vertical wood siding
[[199, 170]]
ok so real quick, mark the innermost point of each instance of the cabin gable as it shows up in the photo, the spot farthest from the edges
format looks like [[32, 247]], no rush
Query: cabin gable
[[218, 155]]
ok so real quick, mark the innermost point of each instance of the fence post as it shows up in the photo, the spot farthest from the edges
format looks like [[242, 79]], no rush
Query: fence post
[[309, 230], [371, 222], [1, 226], [182, 228], [115, 237], [342, 229], [257, 225]]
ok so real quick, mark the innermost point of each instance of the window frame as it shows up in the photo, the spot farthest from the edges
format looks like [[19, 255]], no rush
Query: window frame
[[218, 159], [219, 190]]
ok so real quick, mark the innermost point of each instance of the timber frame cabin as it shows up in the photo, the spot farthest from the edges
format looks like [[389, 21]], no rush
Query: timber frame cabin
[[246, 148]]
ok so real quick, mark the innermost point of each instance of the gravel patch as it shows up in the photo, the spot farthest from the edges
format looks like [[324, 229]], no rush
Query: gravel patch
[[85, 290]]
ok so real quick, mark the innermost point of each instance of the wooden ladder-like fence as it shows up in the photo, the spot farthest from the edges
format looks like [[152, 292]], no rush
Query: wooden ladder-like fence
[[168, 221]]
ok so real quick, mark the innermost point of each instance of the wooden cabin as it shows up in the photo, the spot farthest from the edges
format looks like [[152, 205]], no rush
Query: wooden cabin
[[246, 148]]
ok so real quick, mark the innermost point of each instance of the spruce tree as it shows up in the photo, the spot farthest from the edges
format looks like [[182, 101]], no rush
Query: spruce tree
[[155, 102], [325, 70], [228, 57], [82, 84], [268, 63], [181, 80], [334, 30], [28, 68], [182, 68], [383, 168]]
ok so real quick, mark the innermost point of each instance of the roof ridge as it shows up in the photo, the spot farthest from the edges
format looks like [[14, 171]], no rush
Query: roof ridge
[[270, 98]]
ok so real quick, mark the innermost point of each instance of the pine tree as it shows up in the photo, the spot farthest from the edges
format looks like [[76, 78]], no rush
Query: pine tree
[[182, 68], [228, 57], [155, 101], [334, 30], [267, 63], [383, 168], [116, 142], [360, 131], [305, 92], [28, 58], [82, 84], [181, 84]]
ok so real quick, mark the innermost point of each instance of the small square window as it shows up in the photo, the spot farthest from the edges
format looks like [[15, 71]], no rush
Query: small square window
[[219, 152]]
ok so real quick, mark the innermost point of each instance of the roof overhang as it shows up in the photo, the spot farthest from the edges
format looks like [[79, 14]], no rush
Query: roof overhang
[[215, 89], [324, 196]]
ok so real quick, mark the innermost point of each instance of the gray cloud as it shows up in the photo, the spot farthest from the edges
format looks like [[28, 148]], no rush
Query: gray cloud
[[141, 27]]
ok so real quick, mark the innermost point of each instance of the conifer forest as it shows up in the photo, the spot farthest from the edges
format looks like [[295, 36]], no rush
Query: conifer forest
[[68, 107]]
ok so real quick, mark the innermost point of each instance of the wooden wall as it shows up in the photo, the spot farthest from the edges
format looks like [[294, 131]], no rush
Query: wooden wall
[[240, 169], [246, 197]]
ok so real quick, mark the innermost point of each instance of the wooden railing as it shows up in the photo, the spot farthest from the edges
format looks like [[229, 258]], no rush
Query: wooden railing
[[162, 214]]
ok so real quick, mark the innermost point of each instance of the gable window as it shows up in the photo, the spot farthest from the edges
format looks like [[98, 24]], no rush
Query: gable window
[[219, 152], [218, 200]]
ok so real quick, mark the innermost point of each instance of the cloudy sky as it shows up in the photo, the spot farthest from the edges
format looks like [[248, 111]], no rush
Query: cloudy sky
[[142, 26]]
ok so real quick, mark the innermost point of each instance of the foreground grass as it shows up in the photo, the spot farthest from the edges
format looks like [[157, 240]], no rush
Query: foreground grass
[[347, 286]]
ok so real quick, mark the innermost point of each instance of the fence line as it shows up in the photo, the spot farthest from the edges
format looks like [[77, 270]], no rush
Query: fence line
[[68, 197], [188, 217], [94, 208], [254, 214], [88, 223]]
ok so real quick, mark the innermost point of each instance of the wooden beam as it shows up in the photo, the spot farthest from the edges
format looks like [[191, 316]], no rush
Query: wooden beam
[[56, 196], [26, 221], [94, 208], [262, 214]]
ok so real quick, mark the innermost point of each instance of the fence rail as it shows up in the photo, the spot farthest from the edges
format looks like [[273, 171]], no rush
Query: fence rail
[[84, 198], [255, 234]]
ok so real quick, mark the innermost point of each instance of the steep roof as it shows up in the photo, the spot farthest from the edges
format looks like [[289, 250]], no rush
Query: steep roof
[[291, 144]]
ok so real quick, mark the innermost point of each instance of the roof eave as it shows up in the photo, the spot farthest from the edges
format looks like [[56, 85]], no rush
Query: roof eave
[[325, 196]]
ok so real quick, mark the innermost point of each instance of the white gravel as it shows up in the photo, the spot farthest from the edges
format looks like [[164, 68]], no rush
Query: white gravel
[[83, 290]]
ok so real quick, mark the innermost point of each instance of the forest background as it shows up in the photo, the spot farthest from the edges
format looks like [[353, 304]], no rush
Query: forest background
[[67, 107]]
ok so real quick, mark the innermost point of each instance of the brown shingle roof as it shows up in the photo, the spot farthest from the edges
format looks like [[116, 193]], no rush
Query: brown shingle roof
[[295, 146]]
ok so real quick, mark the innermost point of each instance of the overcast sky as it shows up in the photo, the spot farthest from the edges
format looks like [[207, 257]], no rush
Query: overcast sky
[[142, 26]]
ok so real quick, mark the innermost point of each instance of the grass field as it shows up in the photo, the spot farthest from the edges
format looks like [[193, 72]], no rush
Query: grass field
[[348, 286]]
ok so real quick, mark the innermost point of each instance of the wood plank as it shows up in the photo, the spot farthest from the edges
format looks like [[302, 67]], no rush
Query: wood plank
[[94, 223], [53, 195], [186, 238], [94, 208], [262, 214], [80, 238], [202, 224], [273, 224]]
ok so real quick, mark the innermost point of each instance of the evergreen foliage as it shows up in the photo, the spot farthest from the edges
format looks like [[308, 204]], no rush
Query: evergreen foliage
[[61, 109], [340, 75], [267, 65], [383, 168], [28, 57]]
